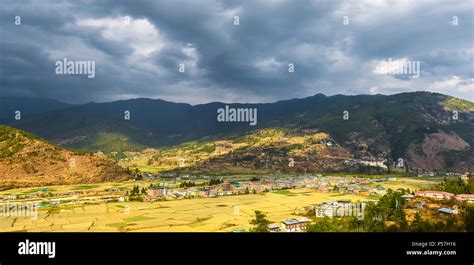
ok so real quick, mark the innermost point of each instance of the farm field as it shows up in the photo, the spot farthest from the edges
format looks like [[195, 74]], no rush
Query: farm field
[[410, 183], [219, 214], [190, 215], [405, 182]]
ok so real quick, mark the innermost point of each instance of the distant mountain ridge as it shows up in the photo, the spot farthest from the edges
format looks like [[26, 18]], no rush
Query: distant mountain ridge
[[418, 127], [28, 106]]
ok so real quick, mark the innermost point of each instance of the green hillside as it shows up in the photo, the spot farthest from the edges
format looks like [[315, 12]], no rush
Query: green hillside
[[400, 126]]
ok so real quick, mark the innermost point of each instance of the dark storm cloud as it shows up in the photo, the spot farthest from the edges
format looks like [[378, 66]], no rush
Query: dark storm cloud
[[245, 63]]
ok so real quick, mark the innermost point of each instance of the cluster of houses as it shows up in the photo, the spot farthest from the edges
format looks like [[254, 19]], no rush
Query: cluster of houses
[[426, 174], [228, 188], [44, 192], [370, 162], [321, 183], [43, 197], [231, 187], [442, 195], [345, 185], [223, 189], [350, 185], [78, 200], [463, 176]]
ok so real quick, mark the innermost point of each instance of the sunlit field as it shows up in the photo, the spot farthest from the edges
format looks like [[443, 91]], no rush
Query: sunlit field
[[220, 214], [193, 215]]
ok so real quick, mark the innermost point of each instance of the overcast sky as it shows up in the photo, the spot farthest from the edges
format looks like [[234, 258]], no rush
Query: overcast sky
[[137, 47]]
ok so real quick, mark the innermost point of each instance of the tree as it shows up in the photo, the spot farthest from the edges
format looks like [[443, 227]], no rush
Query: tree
[[469, 219], [417, 224], [260, 222], [389, 208], [354, 224], [374, 220], [455, 186], [215, 182], [135, 191], [323, 225]]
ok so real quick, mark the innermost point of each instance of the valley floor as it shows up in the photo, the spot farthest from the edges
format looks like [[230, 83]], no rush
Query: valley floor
[[219, 214]]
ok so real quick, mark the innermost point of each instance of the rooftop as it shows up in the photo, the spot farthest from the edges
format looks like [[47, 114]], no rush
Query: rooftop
[[156, 187], [434, 192], [465, 196], [296, 220], [446, 210]]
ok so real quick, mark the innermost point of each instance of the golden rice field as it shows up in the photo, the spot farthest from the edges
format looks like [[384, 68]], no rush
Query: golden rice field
[[219, 214], [190, 215], [410, 183]]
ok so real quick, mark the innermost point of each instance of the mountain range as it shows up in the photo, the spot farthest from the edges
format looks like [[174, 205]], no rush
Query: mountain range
[[428, 131]]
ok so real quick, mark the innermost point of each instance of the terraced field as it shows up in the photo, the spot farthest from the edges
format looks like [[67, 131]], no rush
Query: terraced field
[[221, 214], [191, 215]]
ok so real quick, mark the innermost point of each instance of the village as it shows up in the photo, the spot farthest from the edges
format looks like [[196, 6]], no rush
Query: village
[[200, 188], [171, 189], [190, 187]]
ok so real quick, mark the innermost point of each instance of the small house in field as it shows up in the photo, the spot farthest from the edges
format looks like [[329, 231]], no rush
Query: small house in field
[[42, 191], [449, 211], [296, 224], [239, 230], [156, 191], [378, 191], [323, 188], [227, 187], [408, 197], [465, 177], [274, 228]]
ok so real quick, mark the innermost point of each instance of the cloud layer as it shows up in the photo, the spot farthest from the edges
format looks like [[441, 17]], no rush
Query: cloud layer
[[336, 47]]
